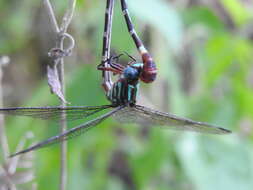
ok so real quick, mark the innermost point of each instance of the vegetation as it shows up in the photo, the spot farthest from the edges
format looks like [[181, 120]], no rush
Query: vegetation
[[204, 56]]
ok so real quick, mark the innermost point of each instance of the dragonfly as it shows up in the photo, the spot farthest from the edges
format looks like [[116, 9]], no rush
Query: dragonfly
[[149, 70], [122, 95]]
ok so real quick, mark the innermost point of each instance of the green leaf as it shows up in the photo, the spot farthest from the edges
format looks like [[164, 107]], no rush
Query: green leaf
[[161, 16], [216, 163], [204, 16], [237, 11]]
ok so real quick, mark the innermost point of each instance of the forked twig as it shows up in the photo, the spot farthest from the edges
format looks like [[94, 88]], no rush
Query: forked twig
[[58, 84]]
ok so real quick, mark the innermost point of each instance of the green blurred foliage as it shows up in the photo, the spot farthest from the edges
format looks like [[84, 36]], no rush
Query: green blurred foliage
[[114, 156]]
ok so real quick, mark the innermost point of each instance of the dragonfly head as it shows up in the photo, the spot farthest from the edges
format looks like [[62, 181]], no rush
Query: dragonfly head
[[131, 73]]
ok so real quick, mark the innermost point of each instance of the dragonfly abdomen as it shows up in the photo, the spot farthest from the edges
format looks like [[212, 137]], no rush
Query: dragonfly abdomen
[[149, 71], [123, 93]]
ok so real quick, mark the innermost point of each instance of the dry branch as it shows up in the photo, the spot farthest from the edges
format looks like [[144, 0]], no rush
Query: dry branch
[[56, 70]]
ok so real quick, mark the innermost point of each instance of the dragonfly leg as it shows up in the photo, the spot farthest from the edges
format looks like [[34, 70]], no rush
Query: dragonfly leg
[[115, 71], [116, 58], [115, 68], [130, 56]]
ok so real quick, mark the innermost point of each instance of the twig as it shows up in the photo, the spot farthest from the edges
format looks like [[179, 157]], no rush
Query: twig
[[68, 15], [51, 15], [59, 62], [10, 175], [65, 23], [3, 139]]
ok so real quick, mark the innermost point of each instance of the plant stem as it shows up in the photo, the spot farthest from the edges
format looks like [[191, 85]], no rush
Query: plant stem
[[3, 137], [60, 67]]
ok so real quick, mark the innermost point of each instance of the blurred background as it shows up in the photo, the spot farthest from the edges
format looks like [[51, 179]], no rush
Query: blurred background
[[203, 50]]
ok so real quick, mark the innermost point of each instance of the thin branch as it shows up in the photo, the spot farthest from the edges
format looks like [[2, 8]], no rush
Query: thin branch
[[68, 15], [50, 11], [3, 138], [63, 176], [59, 62], [64, 26]]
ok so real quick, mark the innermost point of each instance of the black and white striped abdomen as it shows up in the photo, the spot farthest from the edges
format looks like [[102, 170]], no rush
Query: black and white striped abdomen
[[123, 93]]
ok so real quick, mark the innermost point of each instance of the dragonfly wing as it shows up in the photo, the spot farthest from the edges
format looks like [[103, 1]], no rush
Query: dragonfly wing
[[76, 131], [146, 116], [54, 113]]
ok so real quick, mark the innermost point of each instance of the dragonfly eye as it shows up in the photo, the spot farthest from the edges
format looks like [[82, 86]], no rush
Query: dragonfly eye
[[131, 73]]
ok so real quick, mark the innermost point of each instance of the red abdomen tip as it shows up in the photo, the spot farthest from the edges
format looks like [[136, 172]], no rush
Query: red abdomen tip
[[149, 71], [148, 76]]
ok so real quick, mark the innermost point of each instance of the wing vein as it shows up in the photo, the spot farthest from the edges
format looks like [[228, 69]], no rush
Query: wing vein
[[76, 131]]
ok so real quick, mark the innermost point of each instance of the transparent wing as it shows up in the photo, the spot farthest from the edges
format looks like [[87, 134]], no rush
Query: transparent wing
[[146, 116], [54, 113], [76, 131]]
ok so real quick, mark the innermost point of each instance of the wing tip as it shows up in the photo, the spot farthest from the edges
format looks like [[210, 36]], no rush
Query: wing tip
[[15, 154], [224, 131]]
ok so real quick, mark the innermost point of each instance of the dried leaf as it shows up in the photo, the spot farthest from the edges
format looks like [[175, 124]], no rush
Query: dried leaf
[[54, 82]]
